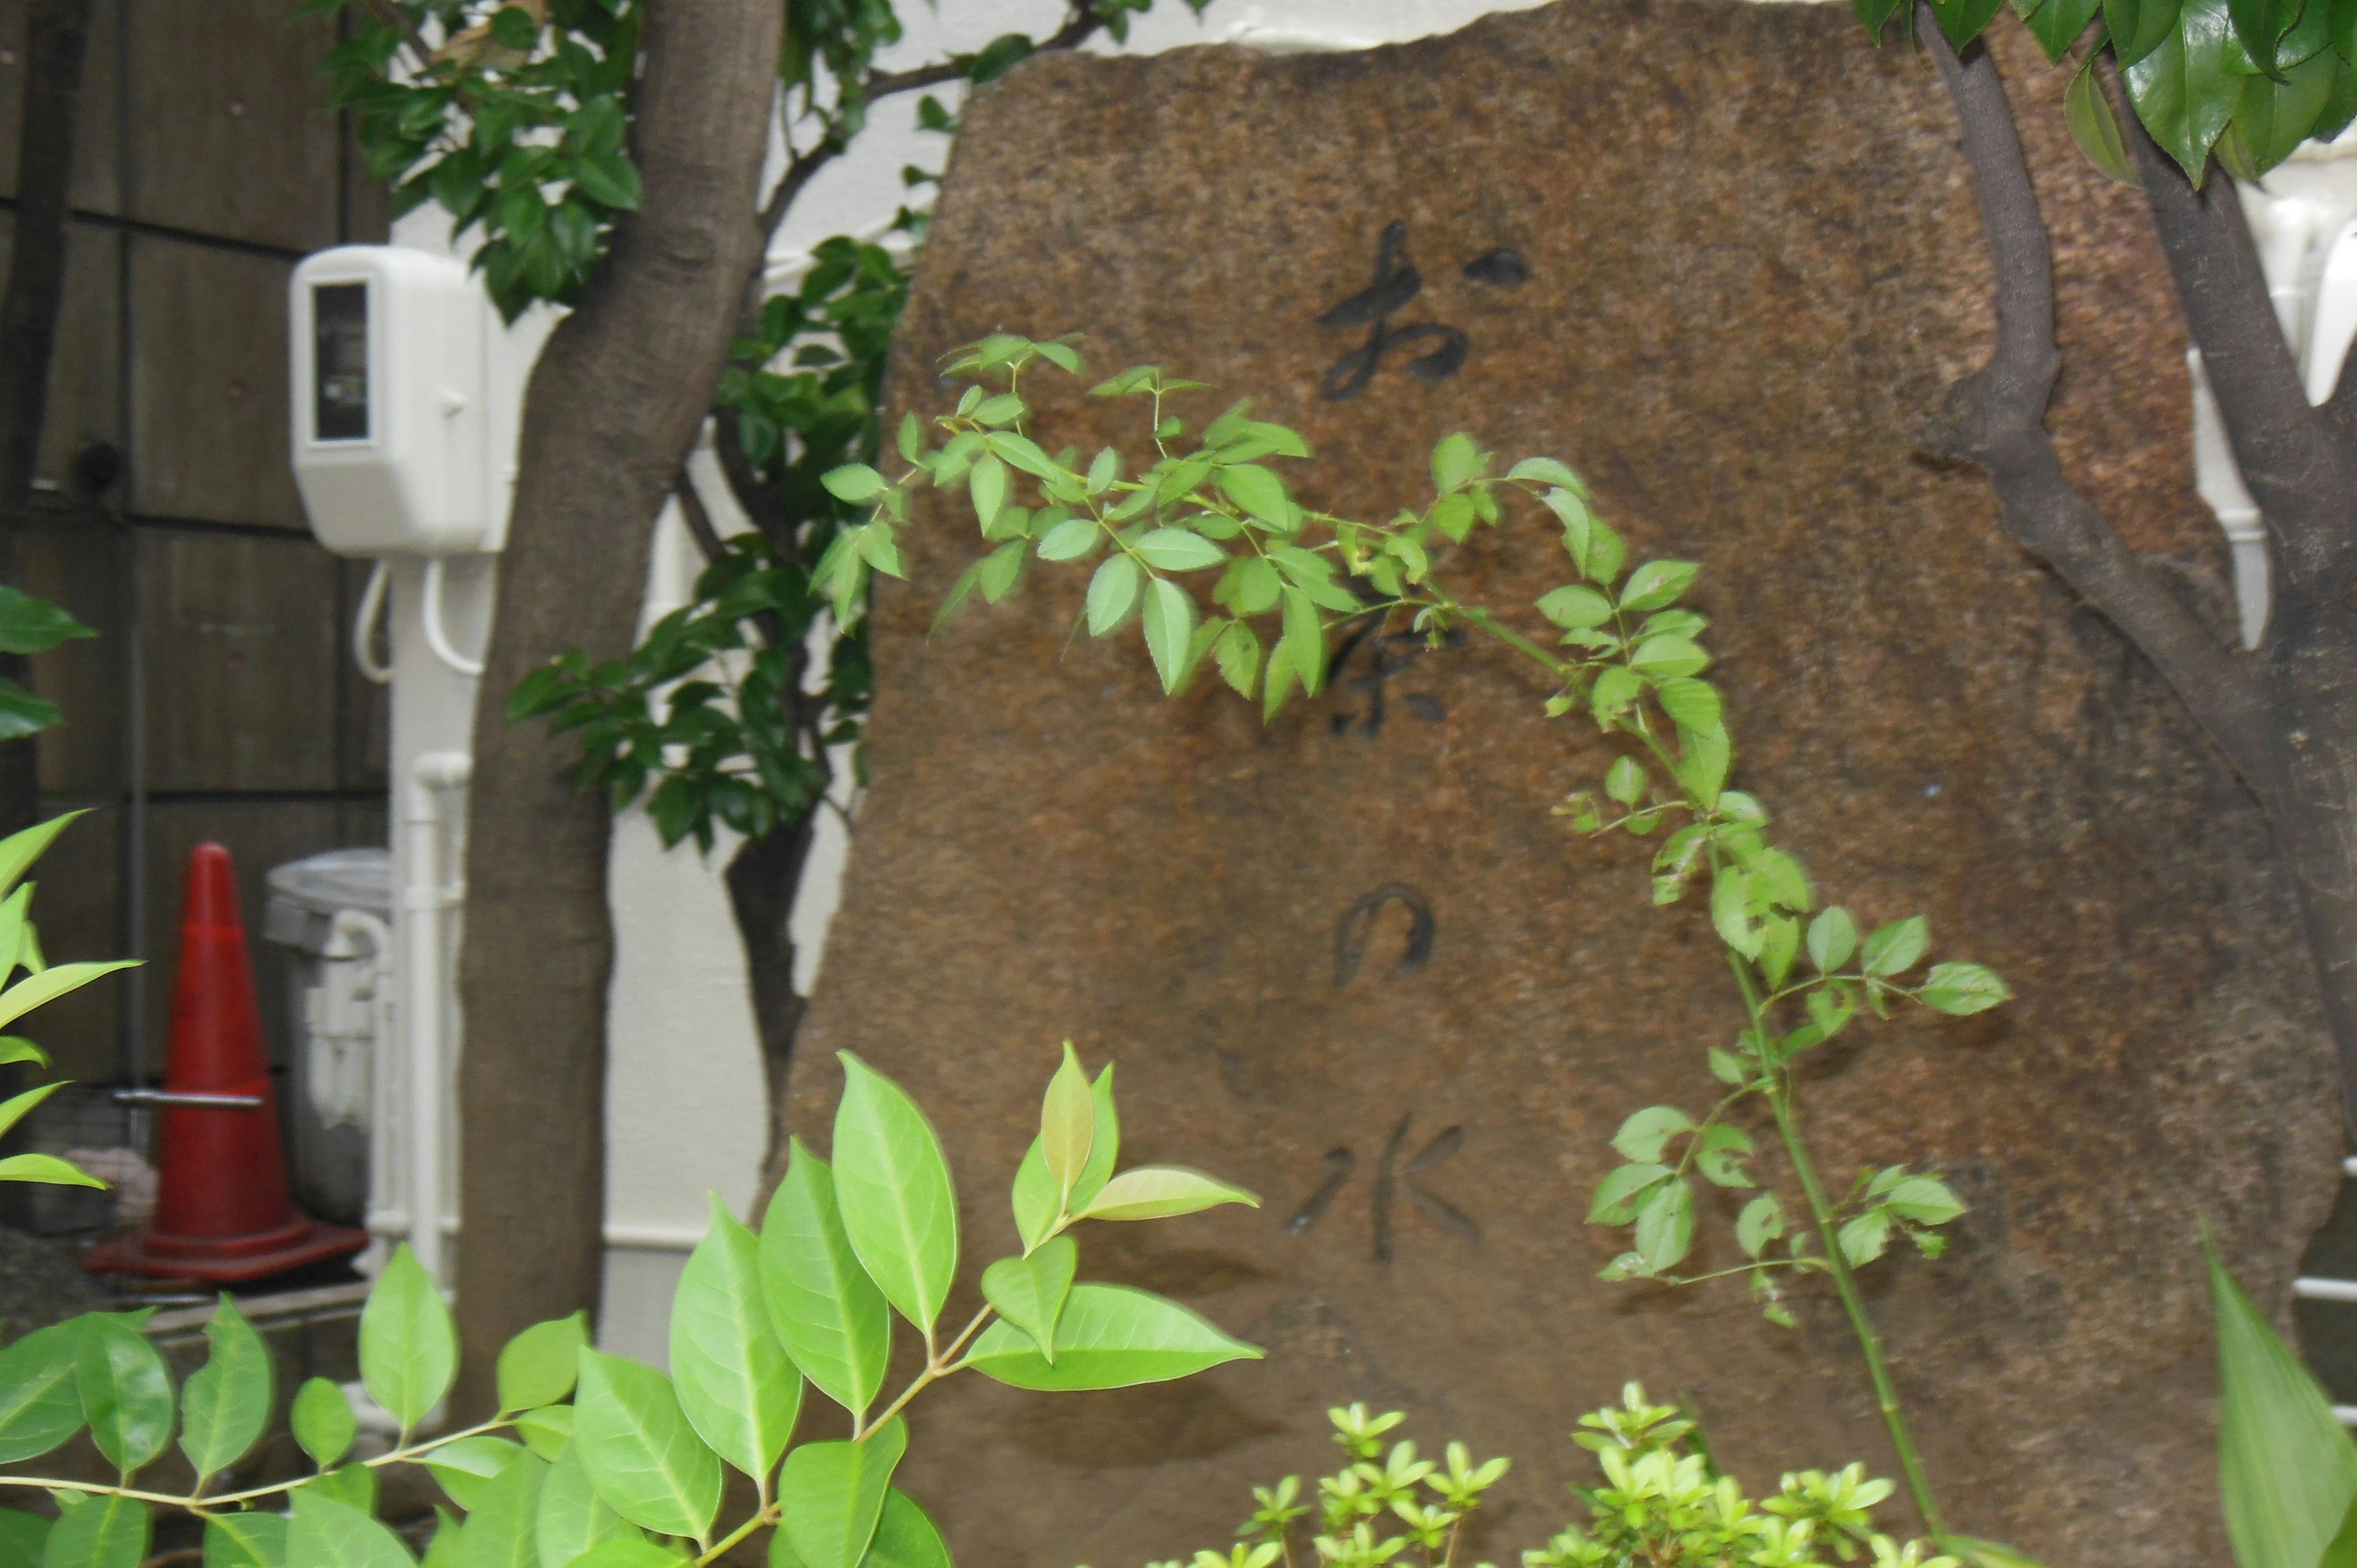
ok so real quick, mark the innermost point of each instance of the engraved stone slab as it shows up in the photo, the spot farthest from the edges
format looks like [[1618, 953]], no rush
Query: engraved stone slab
[[1721, 258]]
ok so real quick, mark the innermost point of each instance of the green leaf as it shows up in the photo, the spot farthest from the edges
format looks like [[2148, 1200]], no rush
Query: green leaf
[[105, 1532], [1178, 550], [1304, 641], [1112, 591], [449, 1540], [2057, 24], [1657, 583], [1455, 461], [1925, 1200], [1665, 1226], [354, 1486], [46, 1168], [1261, 494], [1731, 915], [16, 1048], [1691, 704], [2140, 26], [1833, 937], [23, 714], [906, 1537], [633, 1551], [409, 1350], [323, 1421], [738, 1389], [2287, 1468], [573, 1518], [1030, 1292], [1169, 630], [326, 1534], [1071, 539], [1110, 1337], [1104, 1148], [1961, 988], [1619, 1195], [29, 624], [547, 1429], [2275, 117], [127, 1391], [831, 1495], [1624, 781], [226, 1405], [538, 1366], [2183, 90], [1066, 1123], [1646, 1134], [465, 1467], [503, 1527], [1575, 607], [1238, 652], [1718, 1152], [51, 983], [22, 1539], [1662, 657], [827, 1313], [893, 1184], [853, 482], [986, 486], [40, 1401], [1897, 947], [643, 1458], [1159, 1192], [245, 1541], [2088, 110], [20, 849], [1762, 1221]]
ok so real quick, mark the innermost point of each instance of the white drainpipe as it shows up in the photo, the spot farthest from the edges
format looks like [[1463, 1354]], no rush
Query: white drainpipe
[[425, 900]]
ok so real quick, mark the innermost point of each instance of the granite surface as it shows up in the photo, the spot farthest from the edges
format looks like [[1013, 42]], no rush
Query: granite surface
[[1752, 270]]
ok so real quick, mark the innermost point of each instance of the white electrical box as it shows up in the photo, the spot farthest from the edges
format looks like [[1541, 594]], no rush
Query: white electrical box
[[407, 390]]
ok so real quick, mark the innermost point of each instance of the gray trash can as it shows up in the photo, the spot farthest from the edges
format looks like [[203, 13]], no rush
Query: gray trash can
[[331, 913]]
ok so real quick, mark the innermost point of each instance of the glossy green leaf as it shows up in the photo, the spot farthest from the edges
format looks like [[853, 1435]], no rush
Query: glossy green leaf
[[502, 1527], [2259, 25], [2088, 110], [537, 1367], [246, 1541], [735, 1384], [2287, 1468], [23, 1537], [831, 1495], [1110, 1336], [2140, 26], [827, 1313], [127, 1391], [409, 1348], [2059, 23], [1066, 1123], [893, 1185], [1965, 20], [104, 1532], [2273, 118], [323, 1421], [2183, 90], [906, 1537], [643, 1458], [326, 1534], [29, 624], [467, 1469], [573, 1518], [226, 1406], [23, 714], [1112, 594], [1030, 1292], [40, 1400], [1157, 1192]]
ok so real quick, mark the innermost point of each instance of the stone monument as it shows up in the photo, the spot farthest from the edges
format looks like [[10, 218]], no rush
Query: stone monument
[[1723, 259]]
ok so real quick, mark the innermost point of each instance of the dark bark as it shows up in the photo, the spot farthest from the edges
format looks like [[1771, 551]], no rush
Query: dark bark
[[613, 407], [57, 39], [763, 876], [2286, 717]]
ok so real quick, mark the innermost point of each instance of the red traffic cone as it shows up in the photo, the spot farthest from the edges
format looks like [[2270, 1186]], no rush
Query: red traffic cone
[[222, 1209]]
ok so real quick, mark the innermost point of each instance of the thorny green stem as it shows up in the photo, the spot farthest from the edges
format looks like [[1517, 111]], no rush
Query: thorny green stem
[[1869, 1339]]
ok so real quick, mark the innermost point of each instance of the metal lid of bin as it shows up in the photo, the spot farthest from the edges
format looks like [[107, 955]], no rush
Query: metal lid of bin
[[336, 879]]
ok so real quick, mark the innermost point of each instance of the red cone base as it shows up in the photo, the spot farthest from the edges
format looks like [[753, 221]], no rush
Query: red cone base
[[221, 1210]]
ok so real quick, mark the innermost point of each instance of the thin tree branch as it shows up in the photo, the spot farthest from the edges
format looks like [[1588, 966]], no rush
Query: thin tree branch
[[699, 520], [1996, 418], [2298, 466]]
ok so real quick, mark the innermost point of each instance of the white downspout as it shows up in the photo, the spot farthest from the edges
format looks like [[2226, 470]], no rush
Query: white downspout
[[425, 899]]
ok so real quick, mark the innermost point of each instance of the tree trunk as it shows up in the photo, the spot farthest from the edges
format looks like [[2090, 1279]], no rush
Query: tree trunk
[[2314, 690], [57, 38], [764, 877], [613, 407]]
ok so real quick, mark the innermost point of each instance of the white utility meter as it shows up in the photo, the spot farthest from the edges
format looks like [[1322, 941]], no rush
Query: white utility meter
[[404, 413]]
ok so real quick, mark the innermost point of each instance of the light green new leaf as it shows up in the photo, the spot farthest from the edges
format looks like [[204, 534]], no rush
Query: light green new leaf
[[1665, 1226], [1113, 593], [1034, 1195], [326, 1534], [323, 1421], [1110, 1336], [450, 1538], [127, 1391], [104, 1532], [354, 1486], [1730, 913], [1066, 1123], [40, 1403], [893, 1187], [1897, 946], [1959, 989], [23, 1537], [2287, 1468], [20, 849], [987, 487], [643, 1458], [634, 1550], [1157, 1192], [226, 1405], [1656, 583], [853, 482], [738, 1389], [246, 1541], [547, 1429], [1647, 1132], [1178, 550], [409, 1348], [831, 1495], [1833, 937], [503, 1526], [573, 1518], [906, 1537], [466, 1468], [1575, 608], [1762, 1221], [1926, 1200], [1691, 703], [1170, 621], [1621, 1194], [51, 983], [1030, 1292], [827, 1313], [1071, 539], [1105, 1146], [1261, 494], [46, 1168], [537, 1367]]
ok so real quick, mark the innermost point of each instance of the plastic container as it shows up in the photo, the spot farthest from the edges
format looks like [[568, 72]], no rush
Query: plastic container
[[330, 913]]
